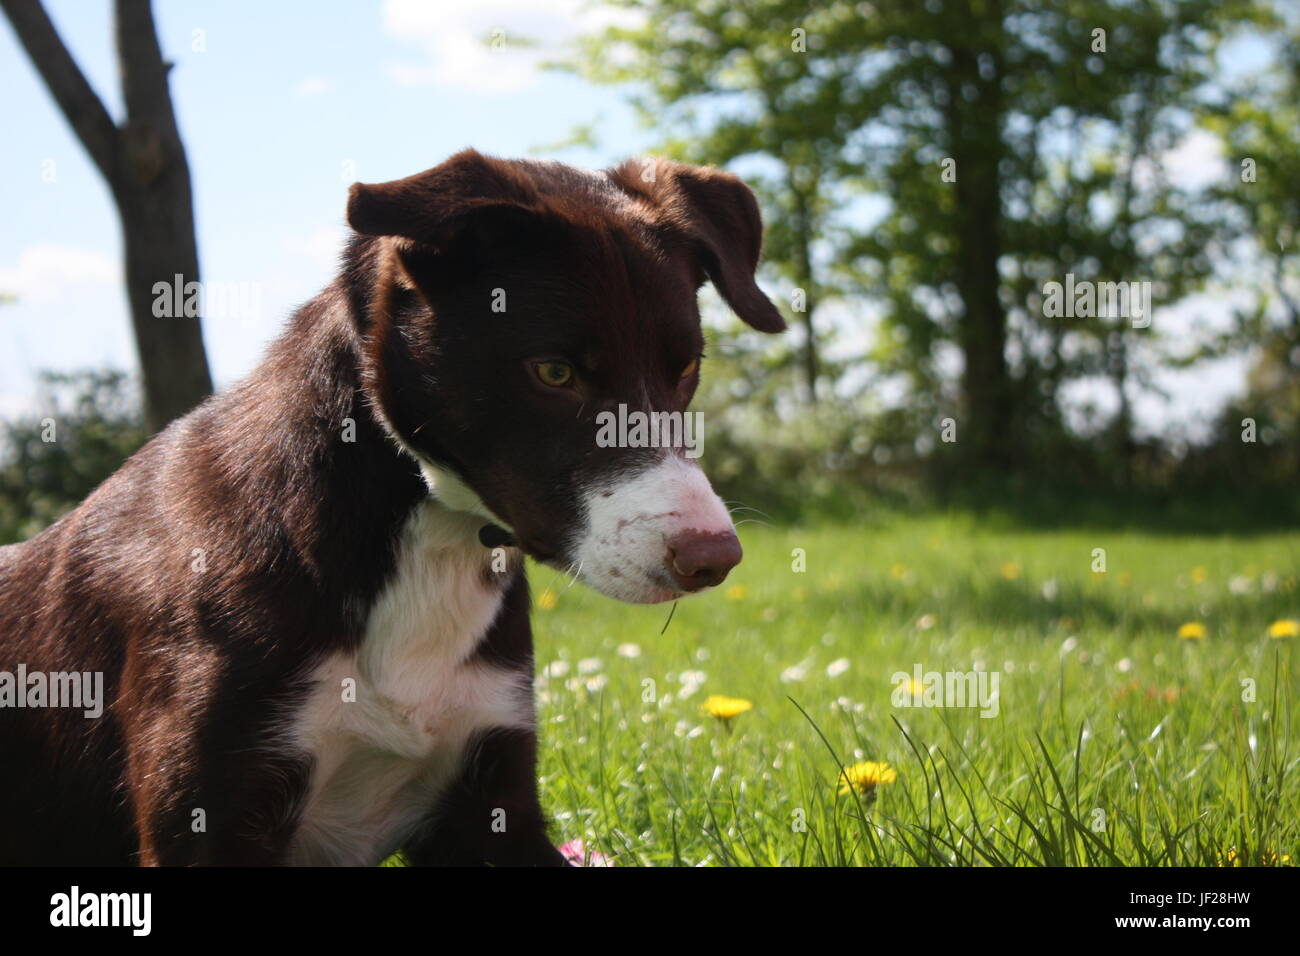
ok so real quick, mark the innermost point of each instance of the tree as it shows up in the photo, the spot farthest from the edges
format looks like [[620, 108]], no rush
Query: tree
[[1020, 142], [1259, 125], [143, 162], [1006, 141]]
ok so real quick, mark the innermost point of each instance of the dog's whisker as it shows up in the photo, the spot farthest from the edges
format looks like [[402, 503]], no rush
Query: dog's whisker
[[735, 506], [576, 574]]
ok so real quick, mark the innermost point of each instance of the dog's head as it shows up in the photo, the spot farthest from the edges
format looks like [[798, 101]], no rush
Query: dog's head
[[524, 319]]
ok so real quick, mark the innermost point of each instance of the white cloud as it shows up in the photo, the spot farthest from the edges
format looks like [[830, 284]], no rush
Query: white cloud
[[313, 85], [46, 270], [457, 47]]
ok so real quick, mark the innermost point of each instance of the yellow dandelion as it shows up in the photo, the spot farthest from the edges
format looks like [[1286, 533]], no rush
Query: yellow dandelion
[[1266, 858], [547, 600], [725, 708], [1010, 571], [898, 572], [1199, 574], [1191, 631], [915, 688], [1284, 628], [864, 777], [737, 592]]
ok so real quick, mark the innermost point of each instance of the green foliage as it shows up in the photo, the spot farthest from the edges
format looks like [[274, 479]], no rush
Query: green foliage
[[88, 424], [1014, 94], [844, 119], [1260, 130]]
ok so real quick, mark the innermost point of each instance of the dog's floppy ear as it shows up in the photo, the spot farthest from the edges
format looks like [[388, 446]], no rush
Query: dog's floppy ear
[[720, 215], [435, 207]]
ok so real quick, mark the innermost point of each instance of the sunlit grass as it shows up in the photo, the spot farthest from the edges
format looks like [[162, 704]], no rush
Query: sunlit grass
[[1116, 742]]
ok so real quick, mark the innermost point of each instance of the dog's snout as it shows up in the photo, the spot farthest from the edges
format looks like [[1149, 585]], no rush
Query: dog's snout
[[698, 559]]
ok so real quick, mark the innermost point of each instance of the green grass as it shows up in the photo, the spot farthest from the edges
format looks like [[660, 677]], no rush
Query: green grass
[[1116, 743]]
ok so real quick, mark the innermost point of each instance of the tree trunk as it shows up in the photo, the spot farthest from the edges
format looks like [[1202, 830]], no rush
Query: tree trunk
[[159, 247], [154, 199], [1123, 424], [144, 164], [982, 333], [975, 137], [803, 253]]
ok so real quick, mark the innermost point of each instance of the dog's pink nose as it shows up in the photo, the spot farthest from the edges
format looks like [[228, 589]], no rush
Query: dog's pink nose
[[698, 559]]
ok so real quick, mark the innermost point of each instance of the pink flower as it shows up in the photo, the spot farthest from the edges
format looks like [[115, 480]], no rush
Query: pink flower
[[576, 852]]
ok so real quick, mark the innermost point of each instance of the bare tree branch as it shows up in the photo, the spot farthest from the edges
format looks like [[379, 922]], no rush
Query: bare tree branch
[[77, 100], [144, 71]]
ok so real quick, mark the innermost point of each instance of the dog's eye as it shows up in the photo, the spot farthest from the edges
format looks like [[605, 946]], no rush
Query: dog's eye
[[554, 374], [691, 369]]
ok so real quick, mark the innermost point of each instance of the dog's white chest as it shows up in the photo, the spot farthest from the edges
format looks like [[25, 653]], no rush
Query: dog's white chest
[[387, 726]]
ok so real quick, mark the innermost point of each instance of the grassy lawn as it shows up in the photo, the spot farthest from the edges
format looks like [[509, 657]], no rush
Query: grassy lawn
[[1115, 741]]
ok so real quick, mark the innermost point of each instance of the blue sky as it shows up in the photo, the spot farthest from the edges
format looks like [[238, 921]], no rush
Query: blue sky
[[282, 106]]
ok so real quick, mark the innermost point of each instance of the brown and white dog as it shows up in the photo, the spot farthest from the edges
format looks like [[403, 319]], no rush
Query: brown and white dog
[[306, 597]]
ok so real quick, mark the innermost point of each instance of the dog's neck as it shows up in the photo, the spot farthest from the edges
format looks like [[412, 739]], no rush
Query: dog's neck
[[315, 464], [364, 259]]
